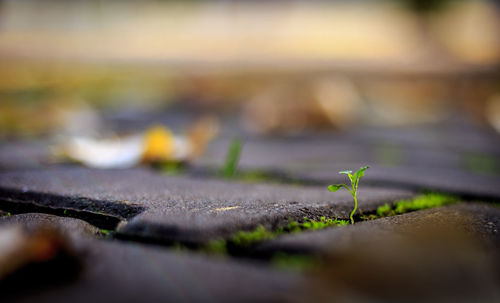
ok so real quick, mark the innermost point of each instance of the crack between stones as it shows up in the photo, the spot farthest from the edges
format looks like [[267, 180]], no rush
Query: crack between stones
[[102, 214]]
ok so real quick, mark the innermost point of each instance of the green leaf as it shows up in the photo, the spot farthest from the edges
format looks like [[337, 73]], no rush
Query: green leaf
[[360, 173], [348, 173], [335, 187], [232, 159]]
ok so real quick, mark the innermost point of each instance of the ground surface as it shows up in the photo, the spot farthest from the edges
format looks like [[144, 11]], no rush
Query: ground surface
[[140, 234]]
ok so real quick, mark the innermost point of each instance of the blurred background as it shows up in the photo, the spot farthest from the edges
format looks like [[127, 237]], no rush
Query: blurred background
[[261, 67]]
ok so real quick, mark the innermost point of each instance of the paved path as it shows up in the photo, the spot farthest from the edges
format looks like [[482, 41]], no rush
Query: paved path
[[179, 208], [108, 215]]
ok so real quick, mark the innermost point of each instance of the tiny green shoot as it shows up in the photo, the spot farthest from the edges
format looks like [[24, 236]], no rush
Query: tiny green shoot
[[232, 159], [107, 232], [354, 186]]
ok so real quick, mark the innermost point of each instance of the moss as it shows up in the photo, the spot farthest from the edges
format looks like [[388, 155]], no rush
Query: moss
[[218, 247], [107, 232], [420, 202], [294, 262], [424, 202], [322, 223], [385, 210], [172, 168], [246, 239]]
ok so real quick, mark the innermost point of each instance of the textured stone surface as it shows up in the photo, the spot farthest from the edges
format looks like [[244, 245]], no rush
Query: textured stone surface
[[439, 255], [478, 220], [445, 145], [127, 272], [179, 208], [431, 164], [459, 158], [23, 155]]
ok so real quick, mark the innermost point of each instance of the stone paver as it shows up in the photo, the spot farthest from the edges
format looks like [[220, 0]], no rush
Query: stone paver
[[478, 220], [458, 158], [23, 155], [398, 164], [127, 272], [438, 255], [179, 208]]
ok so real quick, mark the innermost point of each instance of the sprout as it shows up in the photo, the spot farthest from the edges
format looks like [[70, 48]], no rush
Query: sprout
[[354, 186]]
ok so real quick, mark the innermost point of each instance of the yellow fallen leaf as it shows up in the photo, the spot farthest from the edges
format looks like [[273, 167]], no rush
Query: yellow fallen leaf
[[159, 144]]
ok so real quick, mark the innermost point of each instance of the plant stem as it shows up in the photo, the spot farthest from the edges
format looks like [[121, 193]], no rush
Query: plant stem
[[355, 207]]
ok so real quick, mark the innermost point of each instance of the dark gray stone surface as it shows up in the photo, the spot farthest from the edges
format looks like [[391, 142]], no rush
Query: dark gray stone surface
[[23, 155], [68, 226], [439, 255], [465, 170], [454, 157], [127, 272], [479, 220], [180, 208]]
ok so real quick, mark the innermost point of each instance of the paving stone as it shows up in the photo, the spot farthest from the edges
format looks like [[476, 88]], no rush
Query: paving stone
[[480, 220], [179, 208], [128, 272], [439, 144], [23, 155], [318, 160], [460, 158], [439, 255], [463, 159], [68, 226]]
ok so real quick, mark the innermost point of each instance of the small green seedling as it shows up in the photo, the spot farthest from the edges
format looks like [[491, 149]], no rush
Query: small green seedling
[[354, 186]]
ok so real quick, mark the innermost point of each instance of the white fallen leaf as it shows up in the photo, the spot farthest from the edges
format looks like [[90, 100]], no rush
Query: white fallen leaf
[[108, 153]]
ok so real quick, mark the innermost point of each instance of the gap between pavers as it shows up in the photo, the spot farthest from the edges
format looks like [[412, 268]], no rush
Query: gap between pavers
[[480, 220], [184, 209]]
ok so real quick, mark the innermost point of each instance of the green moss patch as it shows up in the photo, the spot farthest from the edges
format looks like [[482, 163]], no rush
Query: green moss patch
[[243, 240], [295, 262], [420, 202]]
